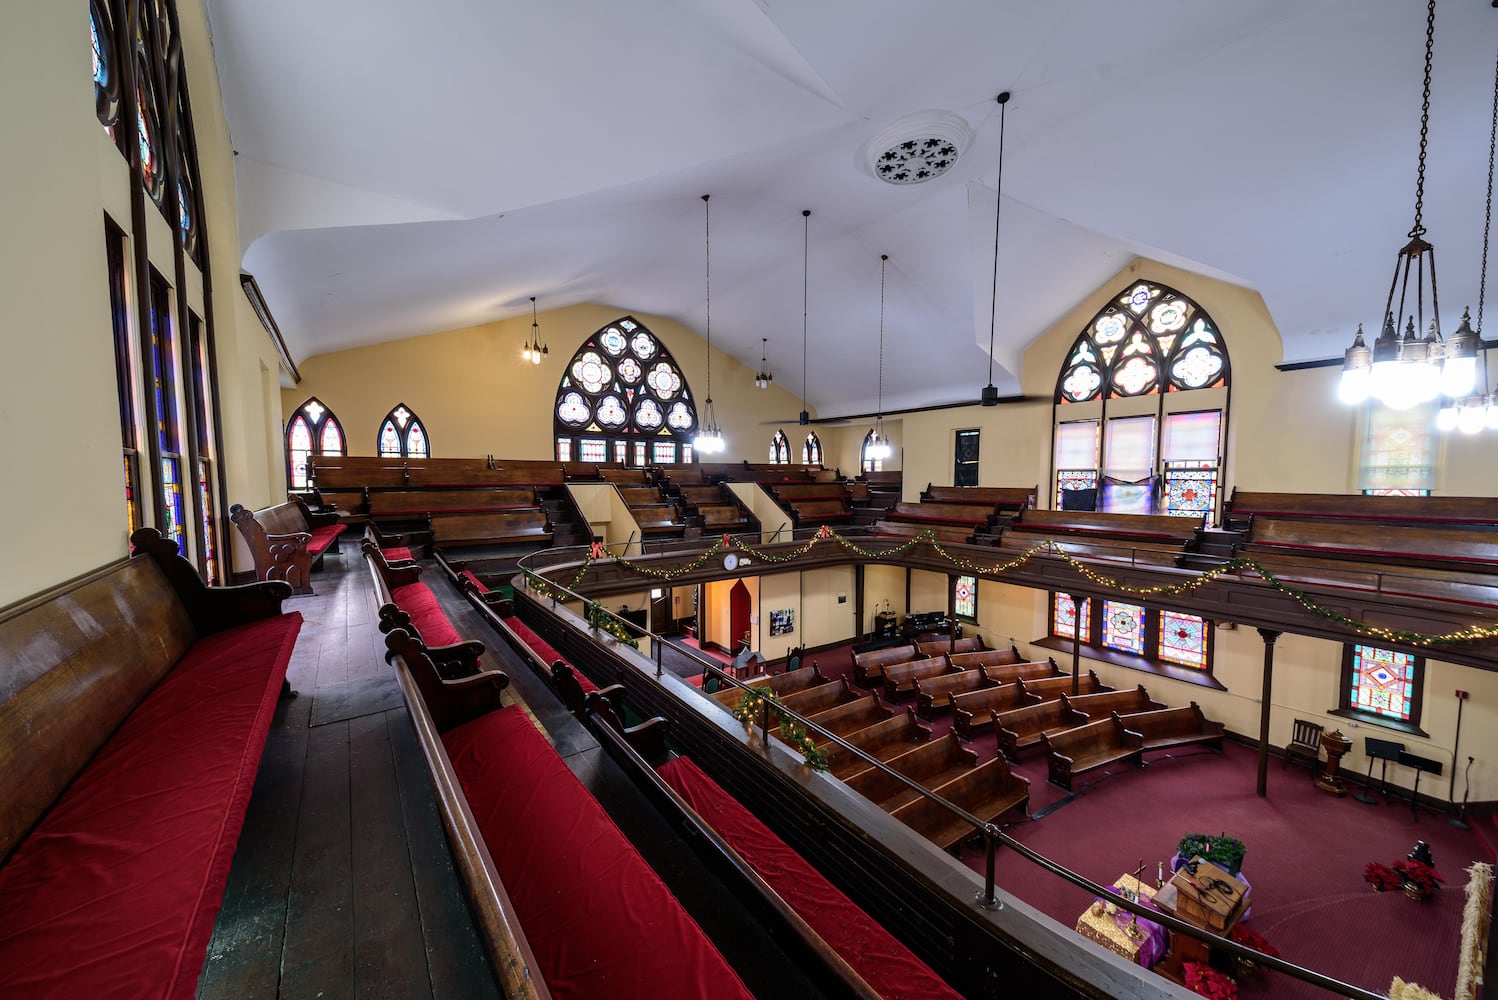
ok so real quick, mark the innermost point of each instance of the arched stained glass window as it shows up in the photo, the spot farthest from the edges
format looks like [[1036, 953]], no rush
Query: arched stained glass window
[[869, 464], [622, 385], [149, 55], [106, 66], [811, 451], [312, 430], [780, 449], [1150, 339], [402, 435]]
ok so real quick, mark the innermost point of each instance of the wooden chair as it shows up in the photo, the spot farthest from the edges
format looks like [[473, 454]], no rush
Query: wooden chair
[[1304, 746]]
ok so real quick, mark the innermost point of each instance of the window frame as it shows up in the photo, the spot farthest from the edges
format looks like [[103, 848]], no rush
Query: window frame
[[811, 450], [866, 463], [403, 429], [780, 449], [1150, 662], [315, 429], [957, 582], [1346, 709], [958, 465]]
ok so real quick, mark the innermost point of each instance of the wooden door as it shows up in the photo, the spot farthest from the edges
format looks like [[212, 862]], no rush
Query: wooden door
[[740, 608]]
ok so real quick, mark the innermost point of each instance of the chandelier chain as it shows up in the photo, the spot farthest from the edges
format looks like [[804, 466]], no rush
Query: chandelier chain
[[1487, 222], [1430, 37], [998, 208], [707, 241], [805, 269], [883, 262]]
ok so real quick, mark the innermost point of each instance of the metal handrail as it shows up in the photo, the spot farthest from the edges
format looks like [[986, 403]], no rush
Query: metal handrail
[[993, 836]]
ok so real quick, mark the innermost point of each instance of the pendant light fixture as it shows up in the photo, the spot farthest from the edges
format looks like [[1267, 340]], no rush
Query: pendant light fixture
[[805, 417], [763, 378], [879, 448], [1401, 372], [990, 391], [709, 440], [1480, 410], [534, 350]]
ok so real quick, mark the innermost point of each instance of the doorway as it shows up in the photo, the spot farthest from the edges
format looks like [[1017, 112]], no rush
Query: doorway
[[740, 609]]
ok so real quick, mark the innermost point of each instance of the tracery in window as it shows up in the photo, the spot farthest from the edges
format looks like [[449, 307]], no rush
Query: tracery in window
[[312, 430], [402, 435], [1149, 339], [869, 464], [811, 451], [780, 449], [621, 385], [106, 66]]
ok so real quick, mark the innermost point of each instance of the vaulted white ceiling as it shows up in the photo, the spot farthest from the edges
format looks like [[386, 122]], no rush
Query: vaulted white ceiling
[[410, 168]]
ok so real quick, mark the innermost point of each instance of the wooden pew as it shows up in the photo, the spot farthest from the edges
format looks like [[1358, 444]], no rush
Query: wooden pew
[[931, 764], [883, 740], [696, 495], [1169, 728], [684, 476], [406, 503], [287, 541], [868, 668], [809, 512], [624, 477], [932, 693], [1030, 670], [782, 684], [1434, 545], [659, 521], [1121, 527], [910, 529], [1134, 552], [966, 657], [640, 495], [972, 711], [849, 718], [820, 698], [987, 792], [1021, 728], [900, 678], [969, 515], [793, 492], [1078, 751], [504, 528], [1447, 584], [1100, 704], [1004, 499], [1054, 687], [1474, 511], [718, 518]]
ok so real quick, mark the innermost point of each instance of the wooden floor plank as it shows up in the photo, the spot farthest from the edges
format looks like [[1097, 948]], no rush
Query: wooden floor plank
[[389, 958]]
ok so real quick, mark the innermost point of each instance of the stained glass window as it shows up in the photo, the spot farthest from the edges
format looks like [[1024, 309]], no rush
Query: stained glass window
[[663, 453], [205, 500], [623, 384], [1190, 488], [1183, 639], [869, 464], [1123, 627], [1398, 448], [1396, 493], [1383, 682], [564, 449], [127, 372], [965, 597], [594, 450], [780, 449], [1149, 339], [1064, 618], [311, 422], [402, 435], [106, 66], [811, 451], [171, 492]]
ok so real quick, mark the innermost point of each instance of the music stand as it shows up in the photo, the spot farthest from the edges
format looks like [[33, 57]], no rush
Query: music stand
[[1421, 765], [1383, 750]]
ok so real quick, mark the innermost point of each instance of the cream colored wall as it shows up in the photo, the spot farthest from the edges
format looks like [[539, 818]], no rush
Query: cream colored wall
[[776, 593], [773, 520], [634, 602], [59, 376], [608, 516], [928, 591], [824, 620], [880, 584], [476, 396]]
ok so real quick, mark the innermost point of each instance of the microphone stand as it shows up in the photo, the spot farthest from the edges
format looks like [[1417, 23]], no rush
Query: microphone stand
[[1460, 819]]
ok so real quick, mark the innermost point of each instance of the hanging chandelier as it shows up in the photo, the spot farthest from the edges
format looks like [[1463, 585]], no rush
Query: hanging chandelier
[[805, 418], [879, 448], [1405, 371], [534, 350], [1479, 410], [709, 440], [991, 391], [763, 378]]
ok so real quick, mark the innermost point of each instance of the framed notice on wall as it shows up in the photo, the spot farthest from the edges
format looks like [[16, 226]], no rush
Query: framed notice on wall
[[782, 622]]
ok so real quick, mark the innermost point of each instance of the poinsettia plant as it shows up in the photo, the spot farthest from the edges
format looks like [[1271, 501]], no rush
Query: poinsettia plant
[[1208, 982], [1422, 876], [1382, 877], [1250, 938]]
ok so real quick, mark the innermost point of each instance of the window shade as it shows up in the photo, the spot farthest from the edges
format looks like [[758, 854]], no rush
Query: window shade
[[1076, 444], [1130, 453], [1398, 449], [1192, 437]]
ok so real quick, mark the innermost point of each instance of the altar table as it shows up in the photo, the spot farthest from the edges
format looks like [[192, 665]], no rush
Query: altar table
[[1111, 929]]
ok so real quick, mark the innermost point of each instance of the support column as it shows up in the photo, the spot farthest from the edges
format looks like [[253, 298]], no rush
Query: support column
[[951, 608], [1076, 646], [858, 605], [1269, 636]]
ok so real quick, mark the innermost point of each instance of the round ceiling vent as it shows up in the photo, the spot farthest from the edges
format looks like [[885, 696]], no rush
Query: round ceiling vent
[[918, 147]]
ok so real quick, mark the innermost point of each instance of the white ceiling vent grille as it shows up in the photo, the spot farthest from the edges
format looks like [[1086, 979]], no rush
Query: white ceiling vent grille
[[918, 147]]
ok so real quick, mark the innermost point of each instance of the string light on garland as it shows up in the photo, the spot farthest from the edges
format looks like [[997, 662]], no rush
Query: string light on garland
[[790, 731]]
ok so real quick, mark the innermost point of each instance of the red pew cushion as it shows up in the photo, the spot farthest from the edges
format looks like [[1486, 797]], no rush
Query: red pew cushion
[[418, 601], [598, 919], [477, 583], [883, 962], [397, 553], [546, 652], [135, 855], [323, 537]]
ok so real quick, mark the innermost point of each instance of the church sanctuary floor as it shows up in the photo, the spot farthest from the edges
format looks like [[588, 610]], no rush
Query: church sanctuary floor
[[343, 884]]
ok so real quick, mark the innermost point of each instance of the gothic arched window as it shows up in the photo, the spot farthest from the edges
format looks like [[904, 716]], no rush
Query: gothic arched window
[[402, 435], [811, 451], [1149, 339], [623, 388], [313, 430], [780, 449], [869, 464], [106, 66]]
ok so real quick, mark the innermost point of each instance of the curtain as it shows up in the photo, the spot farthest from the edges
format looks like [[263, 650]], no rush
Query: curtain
[[1193, 437], [1076, 444], [1130, 452]]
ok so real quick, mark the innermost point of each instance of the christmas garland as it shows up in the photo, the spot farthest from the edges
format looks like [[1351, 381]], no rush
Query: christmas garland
[[1471, 633], [790, 731], [599, 618]]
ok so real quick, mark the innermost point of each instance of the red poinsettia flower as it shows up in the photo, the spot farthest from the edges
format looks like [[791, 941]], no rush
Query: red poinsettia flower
[[1250, 938], [1382, 877], [1208, 982]]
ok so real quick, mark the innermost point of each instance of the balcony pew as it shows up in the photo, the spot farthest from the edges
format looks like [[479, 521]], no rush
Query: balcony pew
[[1437, 546], [478, 530], [883, 740], [287, 541], [911, 529], [1003, 499], [1171, 728], [988, 792], [1458, 511], [413, 503], [1088, 748], [403, 601], [930, 764], [807, 513]]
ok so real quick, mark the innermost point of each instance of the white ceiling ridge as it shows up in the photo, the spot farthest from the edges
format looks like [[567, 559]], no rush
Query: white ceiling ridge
[[747, 27]]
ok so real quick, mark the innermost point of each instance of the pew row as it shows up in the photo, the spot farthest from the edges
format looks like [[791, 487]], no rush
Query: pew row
[[1021, 728], [972, 713], [287, 541], [881, 741], [930, 764], [781, 684], [987, 792], [900, 678], [1088, 748], [1100, 704], [934, 694], [403, 601], [136, 706], [1172, 728]]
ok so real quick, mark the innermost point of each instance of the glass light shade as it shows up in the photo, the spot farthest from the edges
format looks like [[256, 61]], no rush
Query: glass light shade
[[1473, 416], [1458, 376], [709, 442], [1492, 416], [1448, 418], [1384, 378], [535, 357], [1354, 386]]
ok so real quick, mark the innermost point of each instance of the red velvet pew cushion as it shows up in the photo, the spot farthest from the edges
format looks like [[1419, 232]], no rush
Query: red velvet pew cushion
[[883, 962], [418, 601], [477, 583], [546, 652], [323, 537], [114, 893], [599, 921], [397, 553]]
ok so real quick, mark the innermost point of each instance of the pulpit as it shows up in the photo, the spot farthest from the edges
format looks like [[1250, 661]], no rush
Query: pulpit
[[1330, 780], [1208, 897]]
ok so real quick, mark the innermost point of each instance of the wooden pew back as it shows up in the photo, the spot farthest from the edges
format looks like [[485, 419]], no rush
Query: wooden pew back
[[900, 678], [965, 659], [820, 698], [1001, 498], [882, 740], [987, 792], [1048, 688], [497, 528], [1032, 670], [1356, 542], [868, 668], [1019, 728], [910, 529], [1171, 723], [1138, 527], [782, 684], [918, 764], [1356, 507], [971, 712], [1101, 704], [424, 501], [957, 513]]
